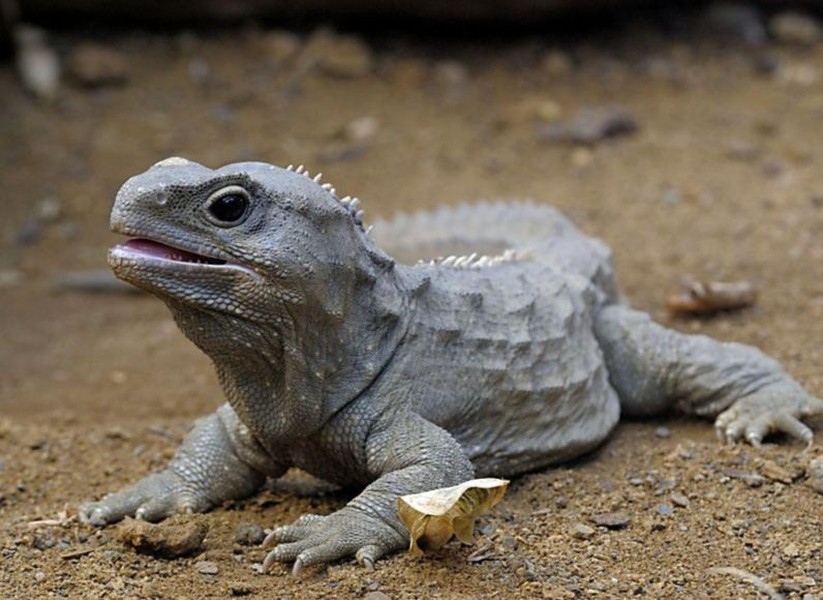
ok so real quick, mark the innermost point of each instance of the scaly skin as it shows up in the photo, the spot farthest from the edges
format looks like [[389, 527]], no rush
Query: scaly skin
[[338, 360]]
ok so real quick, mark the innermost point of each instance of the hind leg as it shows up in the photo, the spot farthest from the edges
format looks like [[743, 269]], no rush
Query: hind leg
[[657, 370]]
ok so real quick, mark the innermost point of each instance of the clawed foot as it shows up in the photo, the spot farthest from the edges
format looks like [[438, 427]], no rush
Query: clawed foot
[[314, 539], [153, 498], [776, 408]]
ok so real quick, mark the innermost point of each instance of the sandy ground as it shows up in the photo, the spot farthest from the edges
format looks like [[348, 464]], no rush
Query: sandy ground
[[721, 180]]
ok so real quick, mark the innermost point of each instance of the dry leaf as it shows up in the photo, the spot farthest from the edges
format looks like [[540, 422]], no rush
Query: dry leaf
[[705, 298], [433, 517]]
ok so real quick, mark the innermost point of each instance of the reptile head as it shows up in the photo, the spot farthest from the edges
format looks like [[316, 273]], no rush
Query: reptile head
[[243, 239]]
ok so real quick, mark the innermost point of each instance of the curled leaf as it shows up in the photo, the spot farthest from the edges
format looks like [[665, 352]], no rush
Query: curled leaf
[[433, 517], [706, 298]]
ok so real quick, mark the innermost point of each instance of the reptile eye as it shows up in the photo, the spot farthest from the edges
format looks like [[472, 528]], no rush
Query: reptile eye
[[229, 206]]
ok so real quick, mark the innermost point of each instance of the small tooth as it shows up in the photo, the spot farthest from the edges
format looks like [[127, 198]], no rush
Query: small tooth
[[460, 261], [358, 216], [355, 204], [318, 177], [482, 261], [345, 201], [448, 261], [327, 186], [290, 168], [299, 169], [368, 229]]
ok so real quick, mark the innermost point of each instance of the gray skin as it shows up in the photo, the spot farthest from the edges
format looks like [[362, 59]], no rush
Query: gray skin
[[338, 360]]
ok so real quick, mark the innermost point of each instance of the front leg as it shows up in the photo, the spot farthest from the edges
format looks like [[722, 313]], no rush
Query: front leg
[[655, 369], [219, 460], [406, 454]]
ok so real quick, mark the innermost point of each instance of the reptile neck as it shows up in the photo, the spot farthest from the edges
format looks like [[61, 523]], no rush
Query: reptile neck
[[306, 361]]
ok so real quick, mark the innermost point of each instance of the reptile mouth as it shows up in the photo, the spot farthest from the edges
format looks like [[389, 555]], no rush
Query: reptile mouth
[[152, 249], [142, 251]]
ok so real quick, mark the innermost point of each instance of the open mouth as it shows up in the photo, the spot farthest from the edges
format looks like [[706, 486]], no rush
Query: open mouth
[[154, 249], [143, 251]]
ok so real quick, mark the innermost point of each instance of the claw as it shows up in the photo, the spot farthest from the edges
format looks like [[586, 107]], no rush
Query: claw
[[270, 559], [298, 566], [754, 439], [269, 539]]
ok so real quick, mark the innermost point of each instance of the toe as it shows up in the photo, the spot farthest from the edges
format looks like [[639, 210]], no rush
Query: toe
[[815, 406], [93, 514], [367, 555], [325, 552], [734, 430], [757, 430], [154, 510], [793, 427]]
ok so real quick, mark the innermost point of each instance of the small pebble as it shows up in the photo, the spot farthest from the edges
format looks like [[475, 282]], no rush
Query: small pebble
[[43, 541], [751, 479], [789, 586], [249, 534], [611, 520], [240, 589], [175, 537], [591, 125], [49, 210], [581, 531], [361, 130], [206, 567], [663, 432], [771, 470], [376, 596], [680, 500], [664, 509], [795, 28]]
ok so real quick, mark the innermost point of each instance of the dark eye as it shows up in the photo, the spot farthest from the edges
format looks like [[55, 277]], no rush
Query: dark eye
[[229, 206]]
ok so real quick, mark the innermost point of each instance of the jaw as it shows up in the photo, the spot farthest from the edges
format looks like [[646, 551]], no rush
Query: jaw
[[157, 256], [184, 276]]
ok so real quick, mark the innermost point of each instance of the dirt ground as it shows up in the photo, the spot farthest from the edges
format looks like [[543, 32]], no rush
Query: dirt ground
[[721, 180]]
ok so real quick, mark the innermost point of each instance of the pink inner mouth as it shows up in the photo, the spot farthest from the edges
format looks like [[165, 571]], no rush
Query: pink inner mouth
[[158, 250]]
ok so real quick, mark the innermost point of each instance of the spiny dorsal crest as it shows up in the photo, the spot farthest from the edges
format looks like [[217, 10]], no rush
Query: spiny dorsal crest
[[473, 261], [349, 203]]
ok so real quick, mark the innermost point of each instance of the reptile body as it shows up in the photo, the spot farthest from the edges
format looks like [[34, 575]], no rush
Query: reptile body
[[337, 359]]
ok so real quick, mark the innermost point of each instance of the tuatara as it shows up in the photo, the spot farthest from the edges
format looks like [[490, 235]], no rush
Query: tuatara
[[339, 360]]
